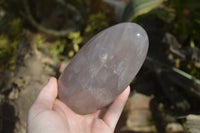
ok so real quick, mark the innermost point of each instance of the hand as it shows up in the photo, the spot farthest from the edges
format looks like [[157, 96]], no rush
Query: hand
[[49, 115]]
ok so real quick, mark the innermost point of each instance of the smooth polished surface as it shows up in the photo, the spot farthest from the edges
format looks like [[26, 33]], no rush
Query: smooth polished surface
[[103, 68]]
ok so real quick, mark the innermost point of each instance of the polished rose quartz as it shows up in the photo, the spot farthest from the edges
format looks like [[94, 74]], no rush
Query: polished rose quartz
[[103, 68]]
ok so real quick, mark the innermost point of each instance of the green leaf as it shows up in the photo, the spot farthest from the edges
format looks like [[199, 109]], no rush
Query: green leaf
[[139, 7]]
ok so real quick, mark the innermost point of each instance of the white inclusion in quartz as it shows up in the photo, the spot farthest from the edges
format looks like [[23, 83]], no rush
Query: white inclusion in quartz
[[120, 67], [103, 58], [103, 68]]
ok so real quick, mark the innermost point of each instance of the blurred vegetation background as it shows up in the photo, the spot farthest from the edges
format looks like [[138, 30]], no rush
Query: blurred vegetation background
[[55, 31]]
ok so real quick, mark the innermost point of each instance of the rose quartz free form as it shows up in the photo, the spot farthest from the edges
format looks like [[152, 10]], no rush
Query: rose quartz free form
[[103, 68]]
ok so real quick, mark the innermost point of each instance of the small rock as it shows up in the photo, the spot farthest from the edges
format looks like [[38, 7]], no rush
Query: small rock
[[193, 123], [174, 128], [19, 82], [138, 112], [14, 94]]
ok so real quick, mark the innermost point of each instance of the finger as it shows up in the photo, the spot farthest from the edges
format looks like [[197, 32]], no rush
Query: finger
[[47, 95], [113, 113]]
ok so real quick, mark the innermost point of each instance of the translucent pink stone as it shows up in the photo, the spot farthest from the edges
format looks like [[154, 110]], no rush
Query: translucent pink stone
[[103, 68]]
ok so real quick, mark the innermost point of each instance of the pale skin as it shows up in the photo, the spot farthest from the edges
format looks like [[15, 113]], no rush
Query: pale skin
[[50, 115]]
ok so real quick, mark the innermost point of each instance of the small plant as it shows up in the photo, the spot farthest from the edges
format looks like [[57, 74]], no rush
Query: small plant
[[56, 50], [76, 39], [7, 53], [39, 40], [96, 23]]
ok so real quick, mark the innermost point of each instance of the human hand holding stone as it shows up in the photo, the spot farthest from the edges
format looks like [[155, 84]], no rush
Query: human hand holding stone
[[49, 115]]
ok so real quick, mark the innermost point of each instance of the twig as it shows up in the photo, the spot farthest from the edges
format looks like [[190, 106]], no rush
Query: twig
[[178, 71], [186, 81], [41, 28]]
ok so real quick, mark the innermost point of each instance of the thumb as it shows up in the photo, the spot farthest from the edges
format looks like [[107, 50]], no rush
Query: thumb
[[47, 95]]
